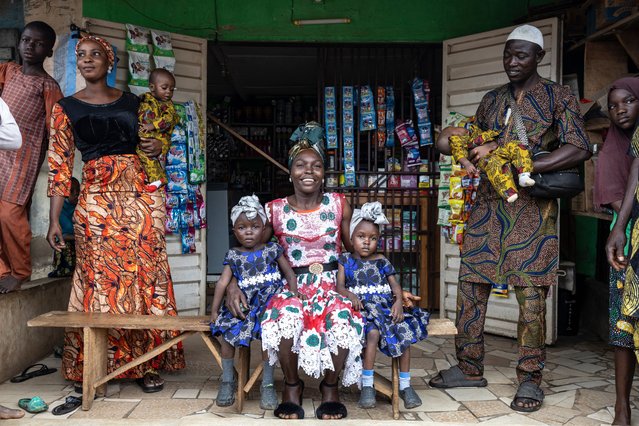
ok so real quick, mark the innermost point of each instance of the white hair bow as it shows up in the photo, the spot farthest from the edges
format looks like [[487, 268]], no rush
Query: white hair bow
[[250, 206], [370, 211]]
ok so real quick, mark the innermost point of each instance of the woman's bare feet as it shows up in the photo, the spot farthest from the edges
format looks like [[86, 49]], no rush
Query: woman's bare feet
[[330, 394], [291, 405]]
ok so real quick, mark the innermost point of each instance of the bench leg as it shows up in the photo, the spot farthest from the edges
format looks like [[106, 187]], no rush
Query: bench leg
[[95, 364], [395, 384], [243, 366], [213, 345], [254, 377]]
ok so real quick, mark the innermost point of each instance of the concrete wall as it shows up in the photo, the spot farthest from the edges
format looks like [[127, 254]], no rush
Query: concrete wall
[[22, 346], [59, 14]]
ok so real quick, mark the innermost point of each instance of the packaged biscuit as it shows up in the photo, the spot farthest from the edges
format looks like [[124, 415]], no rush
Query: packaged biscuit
[[161, 43], [137, 38]]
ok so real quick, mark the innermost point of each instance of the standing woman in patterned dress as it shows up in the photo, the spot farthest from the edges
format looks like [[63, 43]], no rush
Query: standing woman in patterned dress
[[616, 175], [318, 331], [122, 265]]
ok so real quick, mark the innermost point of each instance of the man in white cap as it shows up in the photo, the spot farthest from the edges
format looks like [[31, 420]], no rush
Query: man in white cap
[[514, 244]]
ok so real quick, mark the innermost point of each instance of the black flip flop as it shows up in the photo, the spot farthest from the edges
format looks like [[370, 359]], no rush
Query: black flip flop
[[331, 408], [149, 389], [454, 377], [29, 373], [70, 403]]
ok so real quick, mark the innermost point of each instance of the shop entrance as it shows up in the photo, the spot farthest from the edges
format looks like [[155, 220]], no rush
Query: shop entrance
[[263, 92]]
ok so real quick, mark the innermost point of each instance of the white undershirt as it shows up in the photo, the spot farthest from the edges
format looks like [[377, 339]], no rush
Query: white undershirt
[[10, 136]]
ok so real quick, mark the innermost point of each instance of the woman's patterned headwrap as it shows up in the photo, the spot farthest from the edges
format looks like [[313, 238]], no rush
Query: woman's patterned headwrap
[[250, 206], [108, 50], [307, 136], [370, 211]]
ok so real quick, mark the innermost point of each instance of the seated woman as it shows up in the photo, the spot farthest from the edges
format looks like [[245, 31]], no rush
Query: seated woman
[[319, 331]]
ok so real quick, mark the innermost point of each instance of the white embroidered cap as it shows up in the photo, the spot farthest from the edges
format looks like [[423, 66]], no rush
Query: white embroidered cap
[[527, 33]]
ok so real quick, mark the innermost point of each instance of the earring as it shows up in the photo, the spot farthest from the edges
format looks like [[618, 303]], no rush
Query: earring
[[290, 179], [109, 69], [322, 181]]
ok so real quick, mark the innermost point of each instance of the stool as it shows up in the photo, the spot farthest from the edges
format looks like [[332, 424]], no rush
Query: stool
[[244, 382], [390, 388]]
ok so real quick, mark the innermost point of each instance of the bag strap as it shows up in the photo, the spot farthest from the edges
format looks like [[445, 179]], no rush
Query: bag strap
[[519, 122]]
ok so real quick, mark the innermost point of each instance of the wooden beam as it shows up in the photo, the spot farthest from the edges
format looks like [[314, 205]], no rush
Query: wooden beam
[[213, 345], [246, 141], [67, 319], [143, 358], [627, 20], [256, 375]]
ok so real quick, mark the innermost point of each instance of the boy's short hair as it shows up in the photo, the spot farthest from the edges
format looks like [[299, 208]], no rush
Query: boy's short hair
[[44, 28], [160, 71]]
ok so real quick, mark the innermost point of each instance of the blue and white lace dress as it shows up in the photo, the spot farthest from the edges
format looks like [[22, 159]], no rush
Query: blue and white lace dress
[[259, 277], [368, 279]]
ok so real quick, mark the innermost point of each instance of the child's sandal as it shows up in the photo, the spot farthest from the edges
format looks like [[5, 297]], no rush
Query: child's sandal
[[367, 397]]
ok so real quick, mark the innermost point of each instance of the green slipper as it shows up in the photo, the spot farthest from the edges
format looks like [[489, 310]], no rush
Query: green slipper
[[33, 405]]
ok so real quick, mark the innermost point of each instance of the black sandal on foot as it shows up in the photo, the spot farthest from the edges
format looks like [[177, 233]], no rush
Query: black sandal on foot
[[528, 393], [330, 408], [150, 388], [289, 408]]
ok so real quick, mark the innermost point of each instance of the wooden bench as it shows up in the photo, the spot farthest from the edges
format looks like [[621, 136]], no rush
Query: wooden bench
[[95, 326], [390, 388]]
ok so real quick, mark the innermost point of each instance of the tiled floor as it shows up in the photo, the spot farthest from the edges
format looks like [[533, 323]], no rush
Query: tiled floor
[[578, 381]]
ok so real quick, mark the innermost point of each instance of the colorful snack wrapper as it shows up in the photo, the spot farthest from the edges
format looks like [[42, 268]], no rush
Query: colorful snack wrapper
[[166, 62], [390, 117], [177, 177], [137, 38], [347, 131], [381, 117], [173, 218], [139, 68], [425, 135], [456, 210], [188, 241], [330, 118], [443, 217], [161, 43], [456, 190], [367, 119], [457, 234], [412, 158], [176, 155], [406, 134]]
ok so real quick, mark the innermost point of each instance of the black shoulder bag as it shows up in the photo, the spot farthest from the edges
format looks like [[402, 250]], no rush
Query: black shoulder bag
[[556, 184]]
